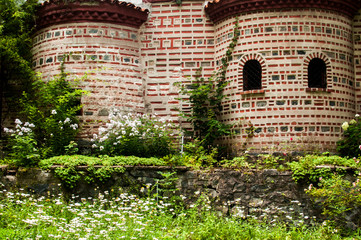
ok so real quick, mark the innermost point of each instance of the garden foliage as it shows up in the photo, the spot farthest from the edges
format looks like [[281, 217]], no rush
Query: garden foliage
[[334, 186], [50, 112], [135, 134], [98, 169], [340, 200], [194, 156], [117, 215], [350, 145], [311, 168], [16, 25]]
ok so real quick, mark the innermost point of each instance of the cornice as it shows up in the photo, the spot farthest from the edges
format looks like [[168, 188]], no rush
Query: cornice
[[108, 11], [221, 9]]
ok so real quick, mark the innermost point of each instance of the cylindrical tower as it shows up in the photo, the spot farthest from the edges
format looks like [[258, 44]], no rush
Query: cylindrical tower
[[99, 38], [292, 75]]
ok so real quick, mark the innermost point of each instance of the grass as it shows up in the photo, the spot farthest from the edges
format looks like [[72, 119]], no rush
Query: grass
[[119, 215]]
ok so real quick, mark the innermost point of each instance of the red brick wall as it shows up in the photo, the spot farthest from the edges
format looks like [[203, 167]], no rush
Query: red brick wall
[[135, 69], [107, 53], [176, 41], [284, 42]]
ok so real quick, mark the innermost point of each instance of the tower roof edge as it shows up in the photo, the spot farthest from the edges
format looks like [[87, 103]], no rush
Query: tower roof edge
[[221, 9], [109, 11]]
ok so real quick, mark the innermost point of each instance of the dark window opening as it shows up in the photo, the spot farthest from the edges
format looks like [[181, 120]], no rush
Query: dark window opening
[[317, 77], [252, 75]]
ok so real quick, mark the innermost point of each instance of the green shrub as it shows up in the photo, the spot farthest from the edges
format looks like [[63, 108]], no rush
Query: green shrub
[[350, 145], [335, 192], [98, 168], [24, 149], [241, 162], [340, 200], [135, 134], [305, 168], [49, 111], [194, 156]]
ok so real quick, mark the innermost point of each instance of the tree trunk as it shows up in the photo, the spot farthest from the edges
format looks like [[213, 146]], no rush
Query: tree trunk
[[2, 89]]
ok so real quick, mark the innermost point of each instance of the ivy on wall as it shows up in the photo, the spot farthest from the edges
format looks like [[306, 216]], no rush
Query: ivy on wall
[[205, 97]]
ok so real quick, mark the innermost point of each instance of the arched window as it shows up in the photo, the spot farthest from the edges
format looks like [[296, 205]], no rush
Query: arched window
[[252, 75], [317, 76]]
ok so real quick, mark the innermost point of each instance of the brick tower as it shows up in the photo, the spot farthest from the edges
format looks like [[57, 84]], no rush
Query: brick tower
[[292, 74], [100, 39]]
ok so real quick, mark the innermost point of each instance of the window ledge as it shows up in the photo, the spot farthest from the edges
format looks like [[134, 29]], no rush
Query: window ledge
[[253, 92], [325, 90]]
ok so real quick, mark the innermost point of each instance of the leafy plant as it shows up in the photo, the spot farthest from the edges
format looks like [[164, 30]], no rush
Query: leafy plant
[[51, 111], [53, 108], [268, 161], [24, 149], [306, 167], [330, 187], [98, 168], [165, 190], [350, 145], [241, 162], [196, 156], [340, 200], [205, 97], [135, 134]]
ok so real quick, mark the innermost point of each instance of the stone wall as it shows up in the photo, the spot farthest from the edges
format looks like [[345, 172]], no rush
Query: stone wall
[[248, 194]]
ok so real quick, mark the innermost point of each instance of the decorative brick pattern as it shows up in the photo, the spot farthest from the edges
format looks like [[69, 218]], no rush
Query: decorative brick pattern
[[176, 42], [107, 53], [284, 42], [135, 68]]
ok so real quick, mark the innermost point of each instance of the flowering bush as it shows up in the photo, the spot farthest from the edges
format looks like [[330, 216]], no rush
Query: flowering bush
[[135, 134], [350, 145], [24, 146], [26, 149], [50, 110]]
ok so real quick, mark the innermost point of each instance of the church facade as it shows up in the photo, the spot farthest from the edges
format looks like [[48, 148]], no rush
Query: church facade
[[294, 75]]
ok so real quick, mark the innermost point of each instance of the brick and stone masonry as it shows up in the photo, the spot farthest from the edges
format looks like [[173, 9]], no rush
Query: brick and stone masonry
[[295, 72]]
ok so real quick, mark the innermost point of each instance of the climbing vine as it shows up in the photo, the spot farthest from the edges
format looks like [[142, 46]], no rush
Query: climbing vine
[[205, 97]]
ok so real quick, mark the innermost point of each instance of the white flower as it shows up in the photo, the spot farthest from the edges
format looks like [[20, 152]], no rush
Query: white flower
[[357, 115], [53, 112], [17, 121], [101, 148], [345, 126], [67, 120], [94, 146]]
